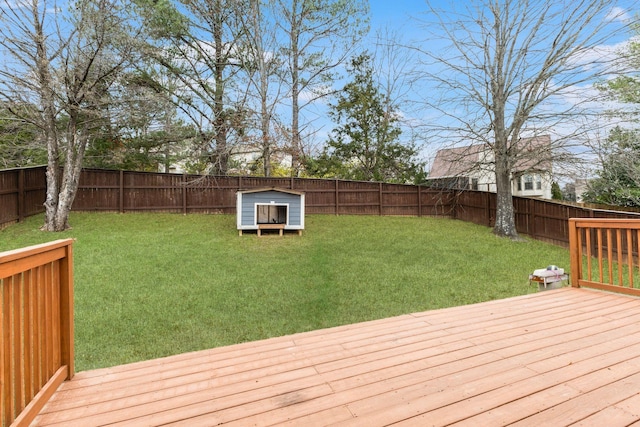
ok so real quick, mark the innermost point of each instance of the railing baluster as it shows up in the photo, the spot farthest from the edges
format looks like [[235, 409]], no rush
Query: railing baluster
[[638, 249], [630, 257], [16, 362], [5, 355], [587, 234], [600, 266], [28, 334], [619, 252], [610, 256]]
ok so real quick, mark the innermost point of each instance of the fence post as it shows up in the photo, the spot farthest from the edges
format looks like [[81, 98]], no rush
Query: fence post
[[184, 193], [574, 253], [487, 196], [21, 196], [380, 198], [337, 197], [121, 189], [419, 200], [532, 215]]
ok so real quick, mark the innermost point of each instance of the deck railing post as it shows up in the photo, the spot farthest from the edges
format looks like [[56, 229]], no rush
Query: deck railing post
[[66, 311], [574, 252]]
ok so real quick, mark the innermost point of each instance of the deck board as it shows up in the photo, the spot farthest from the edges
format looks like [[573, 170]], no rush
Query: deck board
[[551, 358]]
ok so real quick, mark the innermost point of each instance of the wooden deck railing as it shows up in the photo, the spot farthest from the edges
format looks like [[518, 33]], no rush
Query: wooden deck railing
[[604, 254], [36, 346]]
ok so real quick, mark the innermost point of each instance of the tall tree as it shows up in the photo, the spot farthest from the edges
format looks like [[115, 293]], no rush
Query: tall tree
[[319, 36], [365, 143], [198, 42], [64, 63], [262, 65], [514, 67]]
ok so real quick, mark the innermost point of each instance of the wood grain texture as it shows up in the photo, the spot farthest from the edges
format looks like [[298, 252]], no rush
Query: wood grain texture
[[551, 358]]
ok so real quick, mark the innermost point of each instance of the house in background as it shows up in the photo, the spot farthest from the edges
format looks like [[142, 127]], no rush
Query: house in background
[[473, 167], [246, 158]]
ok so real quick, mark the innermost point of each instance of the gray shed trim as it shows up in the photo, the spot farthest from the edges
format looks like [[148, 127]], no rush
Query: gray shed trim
[[248, 201]]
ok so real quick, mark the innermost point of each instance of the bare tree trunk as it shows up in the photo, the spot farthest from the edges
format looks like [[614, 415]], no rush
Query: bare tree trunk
[[296, 143], [265, 120], [221, 154], [505, 224], [49, 128]]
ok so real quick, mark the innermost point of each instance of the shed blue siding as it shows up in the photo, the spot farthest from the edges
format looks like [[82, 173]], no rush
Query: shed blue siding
[[249, 201]]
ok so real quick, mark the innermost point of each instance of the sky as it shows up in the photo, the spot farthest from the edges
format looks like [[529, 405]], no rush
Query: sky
[[394, 13], [404, 16]]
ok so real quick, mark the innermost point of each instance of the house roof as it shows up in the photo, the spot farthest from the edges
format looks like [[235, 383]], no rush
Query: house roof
[[533, 154], [263, 189], [452, 162]]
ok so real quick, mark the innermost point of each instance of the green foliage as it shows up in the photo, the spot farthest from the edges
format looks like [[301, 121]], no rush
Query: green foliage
[[365, 144], [20, 142], [625, 88], [556, 192], [618, 183], [161, 18], [151, 285]]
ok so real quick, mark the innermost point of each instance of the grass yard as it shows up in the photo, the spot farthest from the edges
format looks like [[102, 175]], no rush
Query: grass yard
[[151, 285]]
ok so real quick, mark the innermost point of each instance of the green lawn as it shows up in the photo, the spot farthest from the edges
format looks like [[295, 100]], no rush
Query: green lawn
[[150, 285]]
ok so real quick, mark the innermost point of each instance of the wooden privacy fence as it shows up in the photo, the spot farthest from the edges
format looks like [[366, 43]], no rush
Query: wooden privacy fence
[[22, 193], [546, 220], [121, 191], [604, 254], [36, 346]]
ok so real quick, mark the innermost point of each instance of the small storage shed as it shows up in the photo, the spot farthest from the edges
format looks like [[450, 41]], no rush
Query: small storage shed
[[270, 209]]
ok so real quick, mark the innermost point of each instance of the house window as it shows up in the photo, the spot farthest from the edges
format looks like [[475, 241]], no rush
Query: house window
[[519, 183], [528, 182], [474, 183], [538, 182]]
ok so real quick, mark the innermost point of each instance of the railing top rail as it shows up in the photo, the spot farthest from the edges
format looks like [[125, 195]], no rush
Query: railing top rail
[[606, 222], [20, 260], [12, 255]]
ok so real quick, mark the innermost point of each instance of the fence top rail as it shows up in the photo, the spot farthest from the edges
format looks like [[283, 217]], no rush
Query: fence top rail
[[16, 254], [23, 168], [605, 223]]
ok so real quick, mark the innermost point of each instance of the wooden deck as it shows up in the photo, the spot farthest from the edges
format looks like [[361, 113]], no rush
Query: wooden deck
[[561, 357]]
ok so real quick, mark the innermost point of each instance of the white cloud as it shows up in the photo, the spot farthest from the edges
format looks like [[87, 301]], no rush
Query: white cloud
[[619, 14]]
